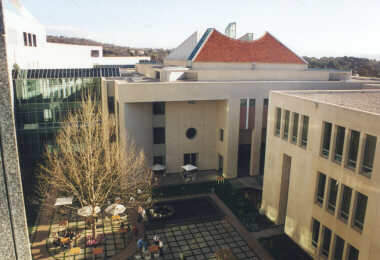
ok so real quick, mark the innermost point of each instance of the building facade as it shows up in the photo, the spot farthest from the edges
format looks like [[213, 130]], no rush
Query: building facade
[[216, 88], [321, 172]]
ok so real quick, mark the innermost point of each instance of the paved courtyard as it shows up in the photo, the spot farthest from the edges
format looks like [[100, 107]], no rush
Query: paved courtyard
[[202, 240]]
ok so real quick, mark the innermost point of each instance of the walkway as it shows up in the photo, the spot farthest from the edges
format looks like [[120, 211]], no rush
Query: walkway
[[199, 176]]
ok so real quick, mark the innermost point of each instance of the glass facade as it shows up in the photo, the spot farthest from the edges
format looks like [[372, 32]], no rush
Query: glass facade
[[41, 106]]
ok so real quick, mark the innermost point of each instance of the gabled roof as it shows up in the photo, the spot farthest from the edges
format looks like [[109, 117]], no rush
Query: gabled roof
[[267, 49]]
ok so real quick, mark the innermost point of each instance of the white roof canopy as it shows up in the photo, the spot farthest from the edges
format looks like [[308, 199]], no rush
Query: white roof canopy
[[64, 201], [158, 167], [189, 167]]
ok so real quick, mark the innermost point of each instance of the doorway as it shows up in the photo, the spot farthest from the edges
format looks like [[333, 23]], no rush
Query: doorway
[[244, 158], [220, 164], [284, 189]]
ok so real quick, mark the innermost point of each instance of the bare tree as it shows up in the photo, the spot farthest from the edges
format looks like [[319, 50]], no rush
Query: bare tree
[[91, 164]]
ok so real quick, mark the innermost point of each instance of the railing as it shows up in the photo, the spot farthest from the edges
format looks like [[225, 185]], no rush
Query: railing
[[325, 152], [314, 243], [344, 214], [351, 163], [320, 199], [331, 206], [367, 169], [338, 157], [303, 142], [358, 224]]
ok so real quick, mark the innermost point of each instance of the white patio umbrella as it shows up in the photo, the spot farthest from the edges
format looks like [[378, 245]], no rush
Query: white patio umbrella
[[64, 201], [189, 167], [158, 167], [87, 211], [115, 209]]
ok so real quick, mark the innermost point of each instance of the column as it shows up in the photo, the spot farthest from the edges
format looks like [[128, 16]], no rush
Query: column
[[256, 138], [232, 138], [14, 243]]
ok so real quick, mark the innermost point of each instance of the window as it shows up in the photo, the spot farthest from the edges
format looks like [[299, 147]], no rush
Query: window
[[353, 149], [339, 247], [305, 129], [333, 192], [286, 125], [345, 203], [326, 241], [34, 40], [315, 233], [159, 108], [361, 206], [158, 135], [295, 127], [321, 188], [339, 142], [191, 133], [265, 102], [221, 134], [278, 121], [368, 155], [29, 39], [353, 253], [190, 158], [94, 53], [159, 160], [25, 39], [327, 127], [111, 105]]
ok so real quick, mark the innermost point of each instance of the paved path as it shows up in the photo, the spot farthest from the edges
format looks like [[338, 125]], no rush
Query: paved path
[[39, 250], [248, 236]]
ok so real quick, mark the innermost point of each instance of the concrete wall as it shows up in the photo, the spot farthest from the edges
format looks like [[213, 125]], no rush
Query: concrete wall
[[305, 165], [228, 92], [271, 75], [14, 242], [183, 115]]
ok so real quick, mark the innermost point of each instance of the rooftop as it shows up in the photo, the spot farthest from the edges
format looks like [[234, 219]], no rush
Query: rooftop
[[364, 100], [267, 49]]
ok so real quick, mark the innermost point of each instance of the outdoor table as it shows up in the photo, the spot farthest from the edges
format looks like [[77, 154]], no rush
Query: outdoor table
[[153, 248], [65, 240], [116, 217], [75, 250], [97, 250]]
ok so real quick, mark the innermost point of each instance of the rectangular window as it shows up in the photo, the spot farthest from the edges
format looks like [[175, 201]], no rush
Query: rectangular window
[[295, 127], [266, 102], [94, 53], [353, 149], [29, 39], [333, 192], [305, 129], [361, 206], [34, 40], [339, 142], [190, 158], [345, 203], [159, 135], [315, 233], [326, 241], [321, 188], [278, 121], [25, 39], [353, 253], [159, 160], [221, 134], [159, 108], [111, 105], [286, 124], [339, 247], [368, 155], [327, 127]]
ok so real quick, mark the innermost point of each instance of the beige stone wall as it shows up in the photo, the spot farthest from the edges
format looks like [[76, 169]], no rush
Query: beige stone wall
[[305, 165], [202, 116], [228, 110]]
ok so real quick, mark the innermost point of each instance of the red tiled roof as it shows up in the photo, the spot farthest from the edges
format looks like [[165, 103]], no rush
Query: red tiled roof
[[267, 49]]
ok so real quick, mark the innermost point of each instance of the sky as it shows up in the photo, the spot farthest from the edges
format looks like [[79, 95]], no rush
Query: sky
[[308, 27]]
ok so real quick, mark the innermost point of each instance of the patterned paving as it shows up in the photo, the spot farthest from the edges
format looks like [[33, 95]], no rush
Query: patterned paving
[[114, 240], [202, 240]]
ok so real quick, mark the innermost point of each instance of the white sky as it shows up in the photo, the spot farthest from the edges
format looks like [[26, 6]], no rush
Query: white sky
[[309, 27]]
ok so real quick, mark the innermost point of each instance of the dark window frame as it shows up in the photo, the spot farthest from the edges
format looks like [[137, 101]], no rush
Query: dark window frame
[[296, 118], [158, 108], [339, 143], [360, 199], [321, 187], [305, 130], [159, 135], [277, 126], [326, 140], [368, 156], [353, 149], [345, 202], [221, 134], [332, 195], [285, 134]]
